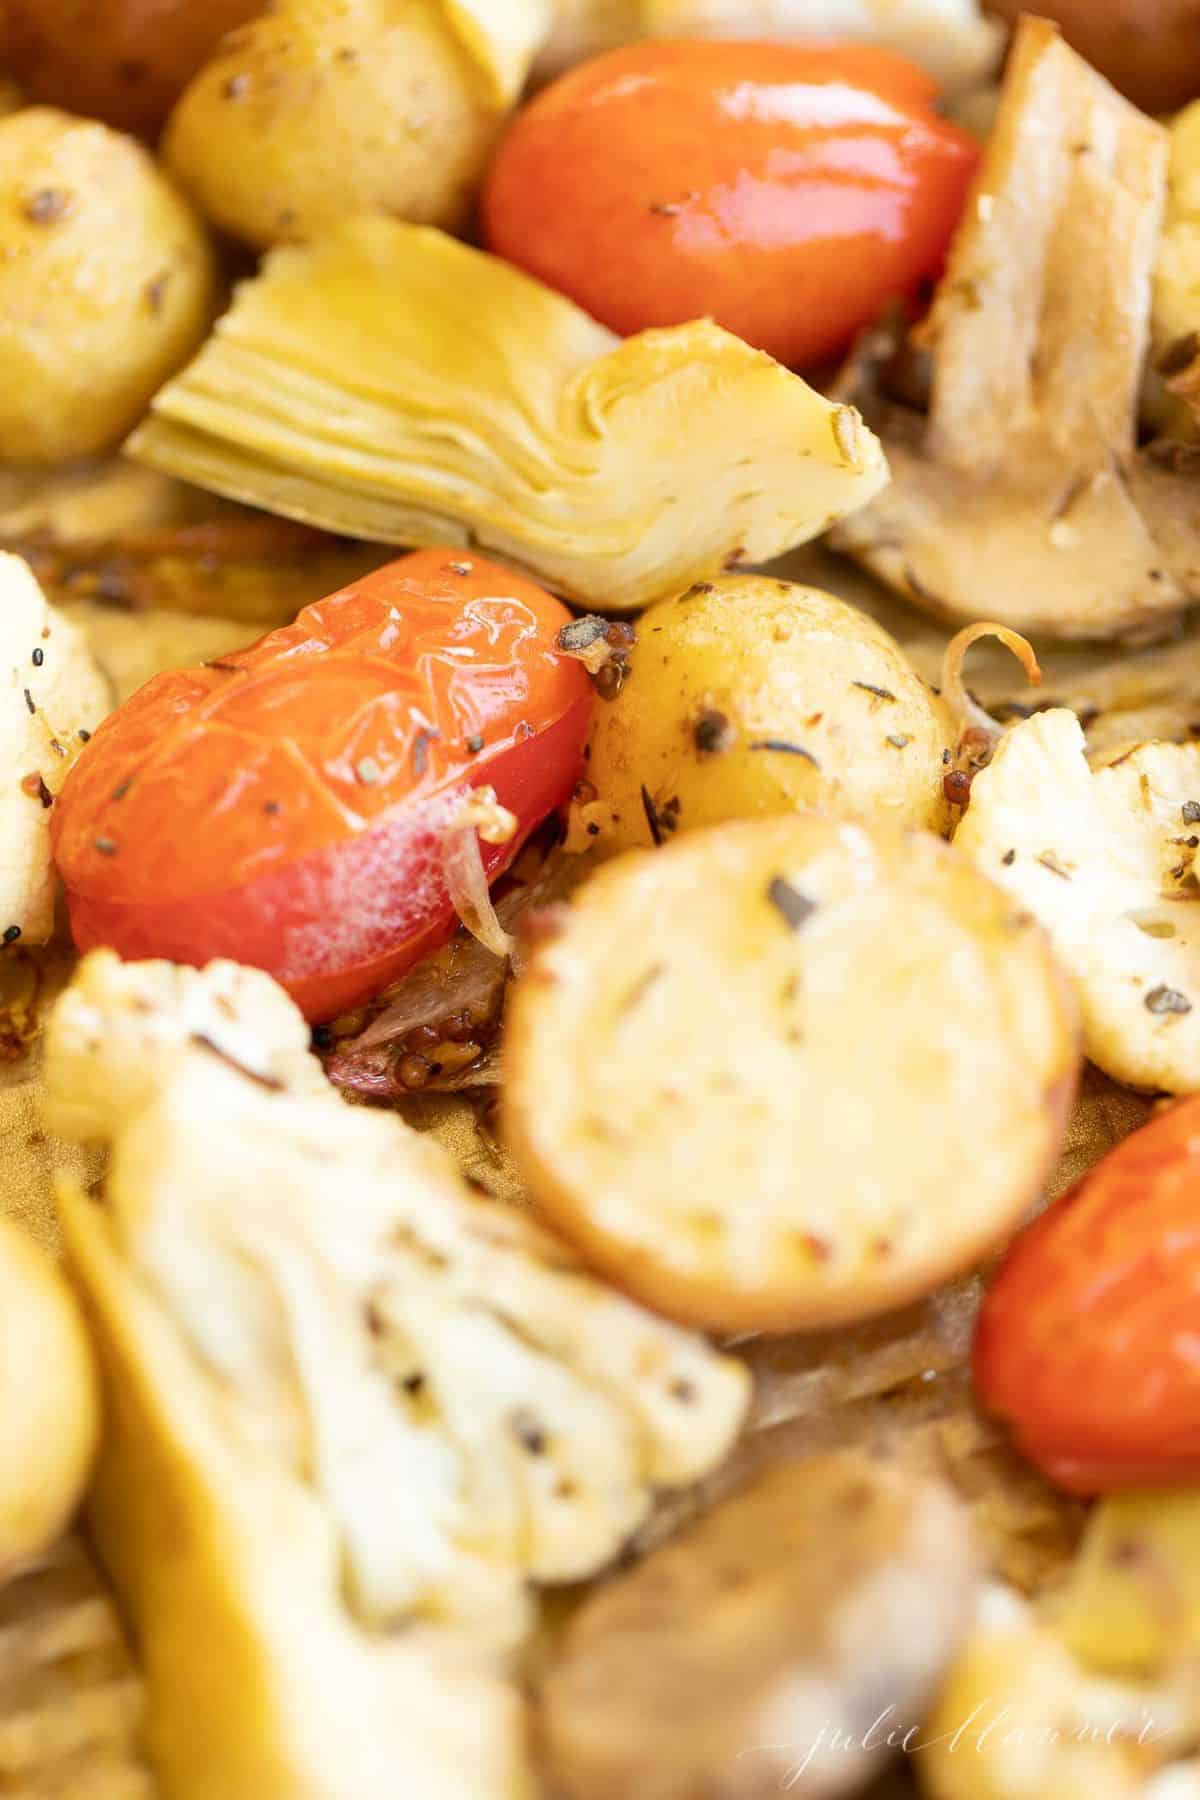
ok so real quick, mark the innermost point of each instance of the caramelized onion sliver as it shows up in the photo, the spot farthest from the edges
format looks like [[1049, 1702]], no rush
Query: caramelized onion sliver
[[480, 815], [967, 713]]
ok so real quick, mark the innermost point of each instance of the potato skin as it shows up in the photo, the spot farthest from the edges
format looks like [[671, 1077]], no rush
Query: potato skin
[[1149, 49], [745, 662], [107, 285], [332, 107], [123, 61], [49, 1409]]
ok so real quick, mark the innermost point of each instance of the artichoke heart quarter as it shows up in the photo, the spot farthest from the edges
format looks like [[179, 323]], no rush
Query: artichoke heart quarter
[[389, 382], [355, 1413]]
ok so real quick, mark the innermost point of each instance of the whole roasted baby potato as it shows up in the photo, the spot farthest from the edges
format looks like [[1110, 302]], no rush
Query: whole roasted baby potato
[[49, 1406], [827, 1591], [106, 285], [123, 61], [323, 108], [787, 1073], [747, 696]]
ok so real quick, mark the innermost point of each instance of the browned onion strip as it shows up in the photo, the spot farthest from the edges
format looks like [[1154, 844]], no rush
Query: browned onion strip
[[966, 712], [479, 816]]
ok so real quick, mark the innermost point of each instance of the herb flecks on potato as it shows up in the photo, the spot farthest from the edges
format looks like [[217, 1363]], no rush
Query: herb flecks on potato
[[392, 383], [1022, 495], [749, 696], [107, 284], [824, 1589], [369, 1400], [787, 1073], [322, 108], [1105, 859]]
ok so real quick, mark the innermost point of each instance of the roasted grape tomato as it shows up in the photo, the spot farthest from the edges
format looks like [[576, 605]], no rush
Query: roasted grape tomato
[[1088, 1341], [789, 191], [286, 806]]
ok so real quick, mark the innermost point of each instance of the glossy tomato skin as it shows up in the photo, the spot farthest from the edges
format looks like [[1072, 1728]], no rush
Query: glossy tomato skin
[[286, 806], [789, 191], [1088, 1341]]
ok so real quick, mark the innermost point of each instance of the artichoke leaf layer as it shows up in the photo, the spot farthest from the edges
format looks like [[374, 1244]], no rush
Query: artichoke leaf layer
[[389, 382], [1022, 496], [503, 36], [354, 1410]]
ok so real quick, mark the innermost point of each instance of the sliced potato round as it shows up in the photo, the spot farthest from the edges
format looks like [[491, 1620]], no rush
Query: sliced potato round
[[747, 696], [784, 1073], [808, 1604], [1105, 859]]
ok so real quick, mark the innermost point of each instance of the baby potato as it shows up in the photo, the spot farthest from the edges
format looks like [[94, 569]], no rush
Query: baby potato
[[323, 108], [123, 61], [49, 1407], [748, 696], [788, 1073], [107, 285]]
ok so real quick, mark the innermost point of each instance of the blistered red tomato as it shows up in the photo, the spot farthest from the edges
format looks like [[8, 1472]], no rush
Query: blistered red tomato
[[789, 191], [1088, 1341], [287, 806]]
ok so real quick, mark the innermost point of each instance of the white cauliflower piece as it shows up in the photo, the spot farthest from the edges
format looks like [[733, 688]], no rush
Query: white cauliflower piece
[[121, 1028], [950, 38], [1105, 859], [51, 691], [473, 1410]]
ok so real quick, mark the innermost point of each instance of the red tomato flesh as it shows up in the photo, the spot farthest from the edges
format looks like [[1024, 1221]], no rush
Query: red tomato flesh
[[285, 806], [1088, 1341], [788, 191]]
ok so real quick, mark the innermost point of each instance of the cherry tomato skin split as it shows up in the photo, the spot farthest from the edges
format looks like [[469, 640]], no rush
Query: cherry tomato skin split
[[788, 191], [286, 806], [1088, 1341]]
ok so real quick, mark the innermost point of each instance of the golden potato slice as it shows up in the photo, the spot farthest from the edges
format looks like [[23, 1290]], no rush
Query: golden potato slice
[[785, 1073], [828, 1594], [747, 696]]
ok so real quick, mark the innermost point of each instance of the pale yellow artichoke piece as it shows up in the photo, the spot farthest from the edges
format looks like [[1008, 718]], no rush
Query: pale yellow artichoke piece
[[502, 36], [375, 1407], [390, 382], [229, 1571], [1132, 1602]]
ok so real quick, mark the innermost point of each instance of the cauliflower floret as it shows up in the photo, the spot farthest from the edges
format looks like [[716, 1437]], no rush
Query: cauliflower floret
[[473, 1410], [1105, 859], [52, 691], [121, 1028]]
